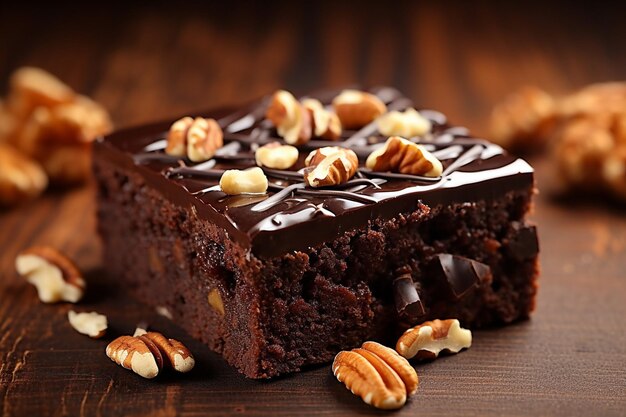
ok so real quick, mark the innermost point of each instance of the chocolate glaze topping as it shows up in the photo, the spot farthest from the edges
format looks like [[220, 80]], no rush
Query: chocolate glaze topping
[[292, 216]]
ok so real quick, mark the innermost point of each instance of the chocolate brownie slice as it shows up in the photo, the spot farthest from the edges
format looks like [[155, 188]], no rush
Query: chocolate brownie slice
[[287, 279]]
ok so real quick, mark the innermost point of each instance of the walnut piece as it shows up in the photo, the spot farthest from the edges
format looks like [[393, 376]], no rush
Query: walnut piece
[[91, 324], [523, 121], [197, 139], [52, 273], [143, 353], [291, 119], [215, 301], [430, 338], [377, 374], [247, 181], [326, 124], [21, 178], [407, 124], [330, 165], [276, 156], [357, 108], [406, 157]]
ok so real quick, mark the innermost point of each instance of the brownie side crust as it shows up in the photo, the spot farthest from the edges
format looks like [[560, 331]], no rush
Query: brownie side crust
[[286, 312]]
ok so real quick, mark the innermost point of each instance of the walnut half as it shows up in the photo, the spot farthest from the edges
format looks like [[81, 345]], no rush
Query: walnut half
[[197, 139], [330, 165], [429, 339], [52, 273]]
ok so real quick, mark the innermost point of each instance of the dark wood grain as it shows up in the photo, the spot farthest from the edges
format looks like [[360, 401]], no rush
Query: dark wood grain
[[144, 64]]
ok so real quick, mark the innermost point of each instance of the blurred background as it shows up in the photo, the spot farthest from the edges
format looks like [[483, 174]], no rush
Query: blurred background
[[149, 60]]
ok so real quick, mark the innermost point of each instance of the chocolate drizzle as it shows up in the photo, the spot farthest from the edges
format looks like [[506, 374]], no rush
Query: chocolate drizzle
[[293, 216]]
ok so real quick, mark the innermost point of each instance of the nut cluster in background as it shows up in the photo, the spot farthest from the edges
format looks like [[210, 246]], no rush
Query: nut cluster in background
[[46, 131], [584, 132]]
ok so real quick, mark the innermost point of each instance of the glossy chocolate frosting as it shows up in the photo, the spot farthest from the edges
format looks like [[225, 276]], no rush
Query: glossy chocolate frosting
[[292, 216]]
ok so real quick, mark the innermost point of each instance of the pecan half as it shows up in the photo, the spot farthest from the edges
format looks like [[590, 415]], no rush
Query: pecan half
[[144, 351], [430, 338], [377, 374], [403, 156], [52, 273], [330, 165], [357, 108], [179, 356], [135, 354]]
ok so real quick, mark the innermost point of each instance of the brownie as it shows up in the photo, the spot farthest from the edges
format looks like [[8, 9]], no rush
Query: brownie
[[278, 282]]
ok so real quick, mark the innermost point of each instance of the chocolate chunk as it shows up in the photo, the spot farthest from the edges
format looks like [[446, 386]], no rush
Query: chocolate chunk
[[524, 244], [408, 302], [462, 274]]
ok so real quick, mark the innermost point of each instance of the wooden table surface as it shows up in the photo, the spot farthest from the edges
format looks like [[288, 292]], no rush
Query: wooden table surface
[[145, 64]]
